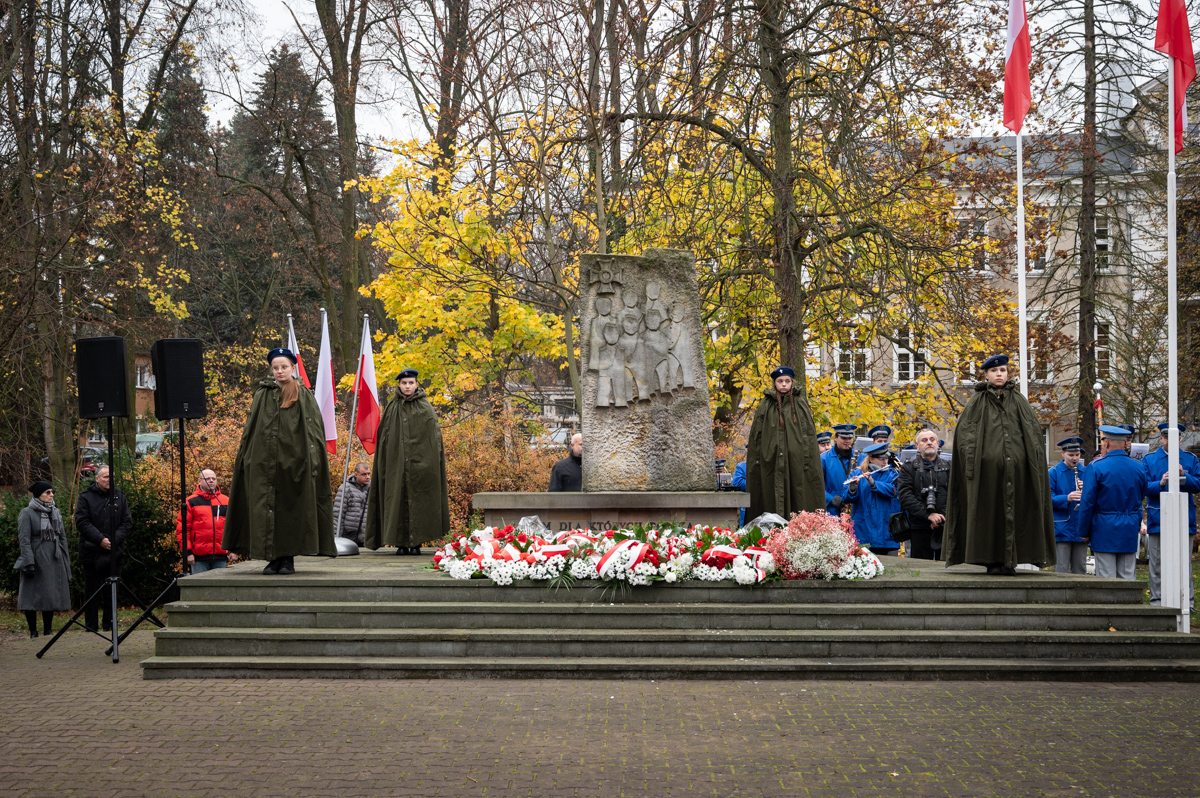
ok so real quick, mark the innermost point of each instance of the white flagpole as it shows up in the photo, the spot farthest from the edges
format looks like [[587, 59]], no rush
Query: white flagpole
[[1021, 299], [1175, 553], [350, 446]]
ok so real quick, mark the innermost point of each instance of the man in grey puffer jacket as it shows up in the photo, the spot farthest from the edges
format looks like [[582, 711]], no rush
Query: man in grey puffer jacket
[[350, 504]]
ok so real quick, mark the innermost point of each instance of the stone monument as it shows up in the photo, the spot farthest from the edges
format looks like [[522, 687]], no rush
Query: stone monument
[[646, 419]]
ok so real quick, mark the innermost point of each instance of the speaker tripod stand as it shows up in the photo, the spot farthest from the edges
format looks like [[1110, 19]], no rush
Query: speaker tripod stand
[[113, 580]]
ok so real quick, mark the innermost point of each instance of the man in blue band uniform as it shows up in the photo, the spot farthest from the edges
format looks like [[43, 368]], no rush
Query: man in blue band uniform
[[872, 500], [1066, 483], [880, 433], [837, 463], [1110, 510], [824, 441], [1155, 465]]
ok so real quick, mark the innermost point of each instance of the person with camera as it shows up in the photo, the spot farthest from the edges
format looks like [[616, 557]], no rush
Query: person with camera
[[103, 520], [922, 488], [45, 562]]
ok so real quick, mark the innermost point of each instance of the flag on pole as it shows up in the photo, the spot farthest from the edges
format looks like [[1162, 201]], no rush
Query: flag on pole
[[295, 347], [326, 397], [366, 421], [1173, 37], [1017, 55]]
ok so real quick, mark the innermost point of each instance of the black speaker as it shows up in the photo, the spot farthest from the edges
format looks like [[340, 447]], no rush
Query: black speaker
[[178, 365], [101, 377]]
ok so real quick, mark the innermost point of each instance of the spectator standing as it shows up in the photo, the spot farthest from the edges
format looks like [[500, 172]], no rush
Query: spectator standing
[[999, 511], [411, 502], [1066, 488], [45, 562], [350, 504], [836, 465], [1110, 509], [567, 474], [103, 521], [1155, 465], [872, 500], [922, 489], [207, 509], [783, 472]]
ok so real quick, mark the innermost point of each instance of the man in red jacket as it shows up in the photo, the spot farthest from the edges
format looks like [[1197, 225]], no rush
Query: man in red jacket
[[206, 509]]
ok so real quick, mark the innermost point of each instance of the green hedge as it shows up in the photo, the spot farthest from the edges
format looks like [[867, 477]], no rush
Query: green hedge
[[152, 555]]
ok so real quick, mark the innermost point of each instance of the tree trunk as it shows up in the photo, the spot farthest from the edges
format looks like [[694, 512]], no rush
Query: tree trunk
[[1087, 233]]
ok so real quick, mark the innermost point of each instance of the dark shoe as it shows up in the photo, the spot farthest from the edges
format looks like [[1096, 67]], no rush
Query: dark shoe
[[273, 567], [33, 634], [994, 570], [1006, 571], [287, 567]]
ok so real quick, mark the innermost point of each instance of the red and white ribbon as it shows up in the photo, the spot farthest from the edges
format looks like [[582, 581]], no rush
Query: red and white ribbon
[[608, 561]]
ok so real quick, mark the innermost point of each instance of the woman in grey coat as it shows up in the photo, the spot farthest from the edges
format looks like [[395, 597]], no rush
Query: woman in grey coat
[[45, 563]]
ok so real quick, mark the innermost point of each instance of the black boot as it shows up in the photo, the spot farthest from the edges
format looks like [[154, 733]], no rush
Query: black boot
[[47, 622], [31, 620], [287, 566], [273, 567], [994, 569]]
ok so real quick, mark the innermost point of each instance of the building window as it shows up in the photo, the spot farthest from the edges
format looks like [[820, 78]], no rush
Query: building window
[[973, 234], [144, 377], [1102, 243], [812, 361], [852, 365], [1103, 361], [1039, 351], [908, 363]]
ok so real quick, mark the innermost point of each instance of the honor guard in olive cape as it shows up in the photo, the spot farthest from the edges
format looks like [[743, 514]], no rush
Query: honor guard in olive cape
[[409, 502], [1110, 509], [783, 474], [998, 509], [280, 504], [836, 466], [1155, 465], [1066, 488]]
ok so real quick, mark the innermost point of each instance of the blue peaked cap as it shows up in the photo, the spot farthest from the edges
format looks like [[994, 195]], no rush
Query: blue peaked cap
[[876, 450], [1115, 432], [1070, 444], [824, 436], [845, 430], [880, 429], [1166, 425]]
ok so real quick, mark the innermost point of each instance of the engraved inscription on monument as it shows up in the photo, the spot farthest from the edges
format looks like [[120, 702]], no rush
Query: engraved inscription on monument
[[646, 417]]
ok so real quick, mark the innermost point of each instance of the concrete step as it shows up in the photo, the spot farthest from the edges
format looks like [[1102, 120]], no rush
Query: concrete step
[[926, 589], [638, 643], [568, 615], [343, 667]]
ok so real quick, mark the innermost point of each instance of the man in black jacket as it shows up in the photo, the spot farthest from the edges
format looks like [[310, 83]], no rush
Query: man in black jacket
[[102, 528], [922, 487], [567, 474]]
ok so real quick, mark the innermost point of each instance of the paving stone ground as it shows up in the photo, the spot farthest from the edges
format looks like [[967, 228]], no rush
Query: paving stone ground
[[75, 724]]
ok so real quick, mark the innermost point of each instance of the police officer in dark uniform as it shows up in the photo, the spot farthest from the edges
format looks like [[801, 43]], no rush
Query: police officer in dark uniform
[[1110, 509]]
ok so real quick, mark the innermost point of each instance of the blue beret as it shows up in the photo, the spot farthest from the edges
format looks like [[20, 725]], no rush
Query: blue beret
[[941, 444], [824, 436], [876, 450], [407, 373], [1166, 425], [783, 371], [880, 429], [1114, 432], [1070, 444], [993, 361], [845, 430], [279, 351]]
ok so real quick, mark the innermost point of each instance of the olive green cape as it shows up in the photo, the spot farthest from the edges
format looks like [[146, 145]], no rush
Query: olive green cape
[[280, 499], [408, 503], [783, 464], [998, 510]]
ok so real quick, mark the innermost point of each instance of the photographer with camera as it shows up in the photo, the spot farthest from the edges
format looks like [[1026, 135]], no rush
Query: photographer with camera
[[922, 487], [103, 520]]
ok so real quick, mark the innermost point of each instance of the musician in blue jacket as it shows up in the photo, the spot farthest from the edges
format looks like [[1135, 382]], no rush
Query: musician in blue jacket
[[1110, 510], [880, 433], [872, 500], [1066, 481], [837, 463], [1155, 465]]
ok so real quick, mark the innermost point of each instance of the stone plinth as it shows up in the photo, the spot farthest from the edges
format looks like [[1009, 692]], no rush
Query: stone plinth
[[612, 509], [645, 414]]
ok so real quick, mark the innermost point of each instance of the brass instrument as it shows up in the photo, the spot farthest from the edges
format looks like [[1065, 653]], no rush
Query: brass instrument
[[1078, 481]]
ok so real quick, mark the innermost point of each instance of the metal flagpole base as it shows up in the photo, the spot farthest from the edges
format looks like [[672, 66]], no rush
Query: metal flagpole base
[[1176, 556]]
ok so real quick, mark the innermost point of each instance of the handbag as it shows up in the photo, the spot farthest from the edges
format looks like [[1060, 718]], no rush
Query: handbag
[[899, 527]]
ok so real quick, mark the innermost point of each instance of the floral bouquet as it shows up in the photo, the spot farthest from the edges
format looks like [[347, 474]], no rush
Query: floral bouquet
[[821, 546]]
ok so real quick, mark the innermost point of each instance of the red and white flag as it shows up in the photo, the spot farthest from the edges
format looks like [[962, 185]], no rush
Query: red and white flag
[[1174, 38], [295, 347], [326, 396], [366, 420], [1017, 55]]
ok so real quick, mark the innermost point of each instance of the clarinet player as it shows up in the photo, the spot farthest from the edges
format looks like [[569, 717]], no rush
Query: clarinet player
[[1066, 489]]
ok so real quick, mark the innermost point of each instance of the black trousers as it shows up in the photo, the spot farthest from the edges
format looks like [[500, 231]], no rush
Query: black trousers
[[920, 545], [93, 578]]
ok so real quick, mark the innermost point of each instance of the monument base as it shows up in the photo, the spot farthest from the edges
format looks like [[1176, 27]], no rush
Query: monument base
[[601, 510]]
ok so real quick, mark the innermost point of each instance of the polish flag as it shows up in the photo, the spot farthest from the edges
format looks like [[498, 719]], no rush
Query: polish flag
[[1174, 38], [1017, 55], [295, 347], [366, 421], [326, 397]]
